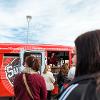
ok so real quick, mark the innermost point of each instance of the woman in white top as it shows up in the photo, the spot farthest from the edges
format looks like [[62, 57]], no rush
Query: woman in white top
[[71, 72], [49, 80]]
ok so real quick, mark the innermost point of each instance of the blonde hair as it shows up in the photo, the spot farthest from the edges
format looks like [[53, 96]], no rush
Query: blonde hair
[[46, 68]]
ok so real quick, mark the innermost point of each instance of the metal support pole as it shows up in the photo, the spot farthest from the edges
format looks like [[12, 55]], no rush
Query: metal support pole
[[28, 26]]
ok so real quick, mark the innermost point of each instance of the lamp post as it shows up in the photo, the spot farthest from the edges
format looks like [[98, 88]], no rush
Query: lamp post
[[28, 26]]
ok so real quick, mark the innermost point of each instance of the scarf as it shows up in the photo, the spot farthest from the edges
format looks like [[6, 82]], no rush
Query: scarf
[[29, 71]]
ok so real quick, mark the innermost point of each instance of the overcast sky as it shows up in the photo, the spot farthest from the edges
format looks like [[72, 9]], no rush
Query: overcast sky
[[53, 21]]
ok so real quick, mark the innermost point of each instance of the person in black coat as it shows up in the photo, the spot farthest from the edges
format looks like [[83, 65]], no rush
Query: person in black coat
[[62, 76], [86, 84]]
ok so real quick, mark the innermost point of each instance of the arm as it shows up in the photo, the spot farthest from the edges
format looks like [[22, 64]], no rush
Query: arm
[[52, 77]]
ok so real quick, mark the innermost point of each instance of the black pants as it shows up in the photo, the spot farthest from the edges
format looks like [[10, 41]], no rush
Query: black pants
[[48, 95]]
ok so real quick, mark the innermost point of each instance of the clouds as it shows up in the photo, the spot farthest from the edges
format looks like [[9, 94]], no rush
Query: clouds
[[53, 21]]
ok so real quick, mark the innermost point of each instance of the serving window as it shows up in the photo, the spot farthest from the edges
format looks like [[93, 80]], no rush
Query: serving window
[[57, 58]]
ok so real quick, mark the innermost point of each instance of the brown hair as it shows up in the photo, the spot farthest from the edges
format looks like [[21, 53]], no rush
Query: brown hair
[[64, 69], [88, 53], [32, 62], [88, 56]]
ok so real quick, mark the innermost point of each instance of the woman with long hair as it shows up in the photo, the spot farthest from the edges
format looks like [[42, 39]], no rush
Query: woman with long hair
[[86, 85], [62, 77], [49, 79]]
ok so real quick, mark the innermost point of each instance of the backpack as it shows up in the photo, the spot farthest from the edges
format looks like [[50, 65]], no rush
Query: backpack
[[81, 88]]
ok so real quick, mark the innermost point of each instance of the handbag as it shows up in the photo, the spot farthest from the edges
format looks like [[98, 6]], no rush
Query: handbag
[[27, 87], [55, 90]]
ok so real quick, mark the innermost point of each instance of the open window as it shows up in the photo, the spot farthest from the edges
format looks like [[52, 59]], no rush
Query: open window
[[57, 59], [40, 55]]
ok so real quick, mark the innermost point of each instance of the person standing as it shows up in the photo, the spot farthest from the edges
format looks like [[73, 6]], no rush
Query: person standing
[[86, 84], [53, 59], [62, 77], [71, 72], [29, 84], [49, 79]]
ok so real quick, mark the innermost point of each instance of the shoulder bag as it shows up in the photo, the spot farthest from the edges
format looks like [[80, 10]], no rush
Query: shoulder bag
[[27, 87]]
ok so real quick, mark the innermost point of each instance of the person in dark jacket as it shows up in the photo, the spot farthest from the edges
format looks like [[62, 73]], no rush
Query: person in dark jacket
[[86, 84], [35, 81], [62, 78], [53, 59]]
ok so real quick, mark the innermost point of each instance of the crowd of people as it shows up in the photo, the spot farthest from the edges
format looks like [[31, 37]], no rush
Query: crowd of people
[[75, 83]]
